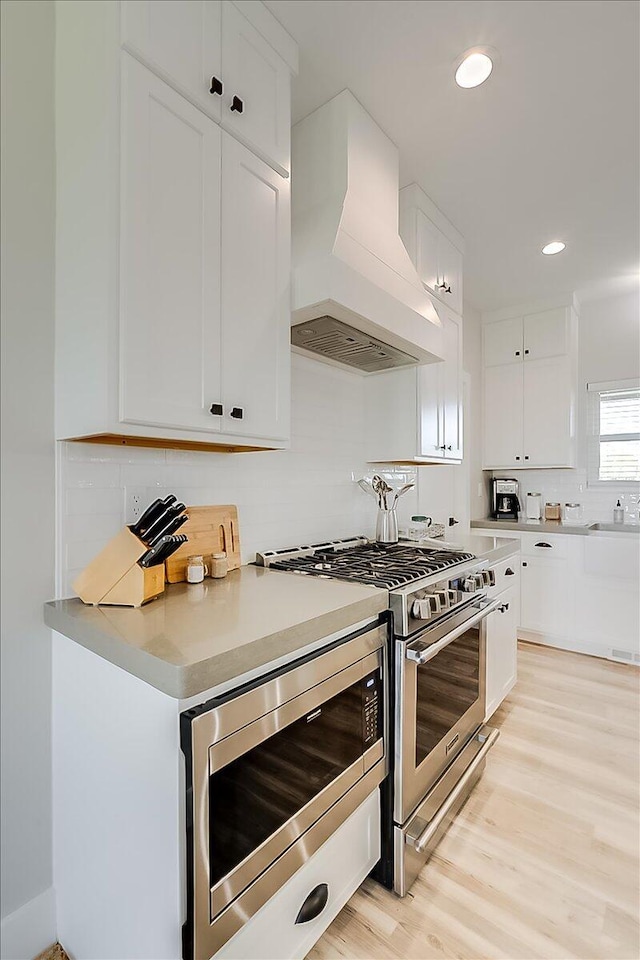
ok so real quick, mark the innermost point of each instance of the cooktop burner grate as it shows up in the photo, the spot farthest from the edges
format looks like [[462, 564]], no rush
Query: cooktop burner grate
[[376, 564]]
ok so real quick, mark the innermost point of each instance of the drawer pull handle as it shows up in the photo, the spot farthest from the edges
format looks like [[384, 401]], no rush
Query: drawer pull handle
[[509, 572], [314, 904], [237, 413], [216, 86], [216, 409], [237, 105], [543, 544]]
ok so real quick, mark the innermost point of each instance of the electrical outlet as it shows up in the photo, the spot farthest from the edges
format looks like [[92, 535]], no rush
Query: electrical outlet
[[135, 503]]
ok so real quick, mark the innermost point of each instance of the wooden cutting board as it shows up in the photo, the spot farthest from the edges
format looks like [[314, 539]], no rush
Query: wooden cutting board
[[210, 530]]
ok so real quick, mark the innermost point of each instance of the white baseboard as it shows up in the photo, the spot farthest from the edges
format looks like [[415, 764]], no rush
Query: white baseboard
[[29, 930]]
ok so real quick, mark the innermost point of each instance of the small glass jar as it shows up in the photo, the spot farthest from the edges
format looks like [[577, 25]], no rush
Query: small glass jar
[[572, 512], [219, 566], [552, 511], [197, 570]]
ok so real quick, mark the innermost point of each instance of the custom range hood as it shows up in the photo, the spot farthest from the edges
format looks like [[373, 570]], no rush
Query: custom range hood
[[357, 298]]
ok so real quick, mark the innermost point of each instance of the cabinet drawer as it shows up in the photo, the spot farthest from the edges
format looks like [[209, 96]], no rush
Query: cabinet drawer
[[544, 545], [507, 575], [342, 863]]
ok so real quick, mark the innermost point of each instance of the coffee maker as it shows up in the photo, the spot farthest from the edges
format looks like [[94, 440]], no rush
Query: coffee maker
[[504, 499]]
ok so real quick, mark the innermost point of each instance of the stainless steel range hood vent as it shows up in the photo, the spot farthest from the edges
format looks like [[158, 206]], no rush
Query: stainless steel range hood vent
[[351, 270], [342, 343]]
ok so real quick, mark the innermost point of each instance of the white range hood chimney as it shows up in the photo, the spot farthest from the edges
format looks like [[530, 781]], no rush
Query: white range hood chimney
[[357, 298]]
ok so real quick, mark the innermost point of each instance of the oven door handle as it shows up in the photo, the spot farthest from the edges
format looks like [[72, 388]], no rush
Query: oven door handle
[[421, 656], [423, 840]]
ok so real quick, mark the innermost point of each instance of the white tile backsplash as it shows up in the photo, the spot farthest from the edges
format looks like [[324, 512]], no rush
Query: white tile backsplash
[[307, 493]]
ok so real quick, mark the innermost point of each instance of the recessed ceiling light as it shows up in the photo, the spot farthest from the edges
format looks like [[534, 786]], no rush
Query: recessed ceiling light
[[556, 246], [474, 69]]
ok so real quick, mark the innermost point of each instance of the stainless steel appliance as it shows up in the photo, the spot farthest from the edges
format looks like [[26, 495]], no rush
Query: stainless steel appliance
[[272, 770], [437, 680], [505, 503]]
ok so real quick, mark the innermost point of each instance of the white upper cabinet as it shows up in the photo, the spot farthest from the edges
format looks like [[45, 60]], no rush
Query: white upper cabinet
[[530, 390], [169, 256], [180, 41], [255, 295], [256, 102], [173, 238], [213, 55], [502, 342], [416, 414], [434, 245]]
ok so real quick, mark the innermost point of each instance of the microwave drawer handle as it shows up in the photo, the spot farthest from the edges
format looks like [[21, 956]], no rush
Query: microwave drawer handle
[[422, 656], [423, 840]]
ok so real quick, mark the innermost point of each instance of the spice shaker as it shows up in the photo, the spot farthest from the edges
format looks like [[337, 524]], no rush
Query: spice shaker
[[219, 566]]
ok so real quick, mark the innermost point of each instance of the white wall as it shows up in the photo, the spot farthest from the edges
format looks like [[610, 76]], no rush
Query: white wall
[[27, 473], [608, 349]]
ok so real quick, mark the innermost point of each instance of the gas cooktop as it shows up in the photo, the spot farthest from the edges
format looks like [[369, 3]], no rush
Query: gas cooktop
[[379, 565]]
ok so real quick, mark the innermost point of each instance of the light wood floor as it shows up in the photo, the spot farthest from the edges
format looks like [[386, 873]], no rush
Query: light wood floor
[[542, 862]]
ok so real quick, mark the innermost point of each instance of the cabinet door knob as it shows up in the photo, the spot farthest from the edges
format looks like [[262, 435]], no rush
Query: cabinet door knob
[[452, 521], [517, 353], [443, 447], [544, 544], [237, 413], [517, 458], [526, 353], [503, 607], [216, 409], [449, 447], [509, 572], [216, 86], [237, 105], [524, 563], [526, 457]]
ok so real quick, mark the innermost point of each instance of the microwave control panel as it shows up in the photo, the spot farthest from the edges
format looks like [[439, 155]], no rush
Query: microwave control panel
[[372, 708]]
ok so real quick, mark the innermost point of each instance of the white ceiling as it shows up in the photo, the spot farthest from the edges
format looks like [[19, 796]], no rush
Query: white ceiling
[[547, 148]]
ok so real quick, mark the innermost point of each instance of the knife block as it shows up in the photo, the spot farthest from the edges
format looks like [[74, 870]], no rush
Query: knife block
[[114, 576]]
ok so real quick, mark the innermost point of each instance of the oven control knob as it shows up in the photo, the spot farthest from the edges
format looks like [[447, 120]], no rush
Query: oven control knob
[[421, 609], [443, 598], [469, 585], [479, 580]]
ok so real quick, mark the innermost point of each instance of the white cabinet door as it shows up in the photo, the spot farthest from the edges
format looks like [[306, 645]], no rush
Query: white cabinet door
[[427, 238], [450, 271], [503, 416], [430, 433], [256, 102], [549, 427], [502, 342], [546, 595], [169, 256], [502, 650], [451, 403], [255, 295], [179, 40], [547, 334]]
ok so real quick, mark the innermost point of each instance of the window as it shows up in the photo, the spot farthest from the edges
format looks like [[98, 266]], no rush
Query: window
[[615, 434]]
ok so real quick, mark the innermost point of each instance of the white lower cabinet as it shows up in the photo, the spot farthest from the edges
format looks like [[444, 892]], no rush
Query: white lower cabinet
[[342, 863], [579, 592], [502, 649]]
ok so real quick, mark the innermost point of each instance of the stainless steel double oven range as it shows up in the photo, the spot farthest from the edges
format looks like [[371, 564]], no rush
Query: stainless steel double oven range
[[273, 768], [439, 603]]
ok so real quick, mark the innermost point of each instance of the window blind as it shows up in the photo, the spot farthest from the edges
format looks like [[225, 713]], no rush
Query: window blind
[[619, 433]]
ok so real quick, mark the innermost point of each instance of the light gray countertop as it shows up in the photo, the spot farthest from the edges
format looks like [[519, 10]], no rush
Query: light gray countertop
[[197, 636], [533, 526]]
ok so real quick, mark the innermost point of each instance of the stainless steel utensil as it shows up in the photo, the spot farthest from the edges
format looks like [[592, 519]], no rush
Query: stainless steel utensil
[[401, 492]]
